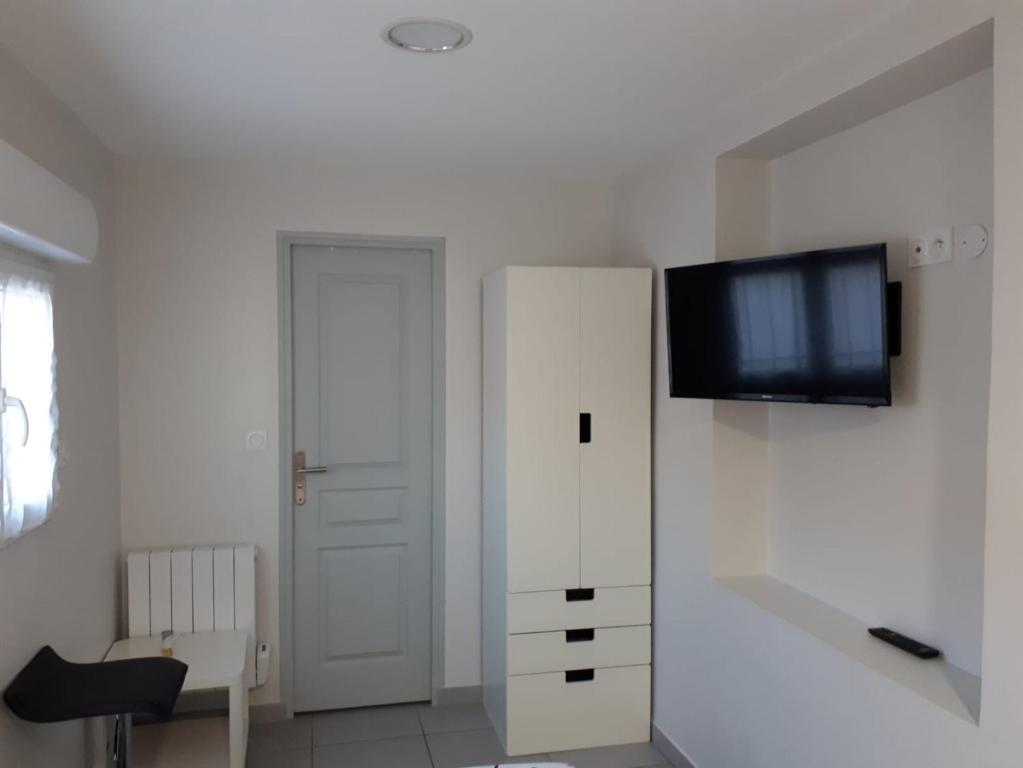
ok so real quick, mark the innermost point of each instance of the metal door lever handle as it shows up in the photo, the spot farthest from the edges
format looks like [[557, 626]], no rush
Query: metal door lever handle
[[298, 472]]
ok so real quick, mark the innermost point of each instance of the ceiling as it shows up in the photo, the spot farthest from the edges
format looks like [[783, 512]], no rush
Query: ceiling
[[571, 86]]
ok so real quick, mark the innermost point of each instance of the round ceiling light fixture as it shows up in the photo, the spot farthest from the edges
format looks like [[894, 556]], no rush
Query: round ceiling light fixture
[[427, 35]]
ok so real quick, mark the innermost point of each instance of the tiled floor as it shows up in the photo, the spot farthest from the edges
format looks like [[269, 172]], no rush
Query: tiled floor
[[412, 736]]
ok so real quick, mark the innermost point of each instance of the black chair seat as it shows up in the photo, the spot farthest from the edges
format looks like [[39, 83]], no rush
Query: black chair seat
[[50, 689]]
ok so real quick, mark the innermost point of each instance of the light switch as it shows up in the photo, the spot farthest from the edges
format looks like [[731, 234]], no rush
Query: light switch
[[255, 440]]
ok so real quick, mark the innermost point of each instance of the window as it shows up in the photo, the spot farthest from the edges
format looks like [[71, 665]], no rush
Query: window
[[28, 400], [771, 322], [856, 333]]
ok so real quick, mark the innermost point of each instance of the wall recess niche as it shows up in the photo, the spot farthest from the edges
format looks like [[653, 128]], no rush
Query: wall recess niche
[[836, 518]]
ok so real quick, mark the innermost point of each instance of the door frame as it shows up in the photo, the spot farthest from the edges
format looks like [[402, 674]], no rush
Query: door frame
[[286, 567]]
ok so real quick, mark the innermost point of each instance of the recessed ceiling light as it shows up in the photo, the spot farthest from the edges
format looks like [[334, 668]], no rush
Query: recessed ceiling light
[[427, 35]]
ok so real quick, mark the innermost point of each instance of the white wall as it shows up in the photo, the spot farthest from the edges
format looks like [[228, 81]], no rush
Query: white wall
[[197, 291], [881, 512], [58, 584], [742, 230], [734, 686]]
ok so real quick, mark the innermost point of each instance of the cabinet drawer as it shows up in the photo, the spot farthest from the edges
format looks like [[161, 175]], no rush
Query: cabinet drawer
[[578, 649], [548, 714], [578, 609]]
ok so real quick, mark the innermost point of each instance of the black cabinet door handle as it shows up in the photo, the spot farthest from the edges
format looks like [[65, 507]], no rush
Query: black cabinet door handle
[[579, 635], [578, 675], [578, 595], [585, 431]]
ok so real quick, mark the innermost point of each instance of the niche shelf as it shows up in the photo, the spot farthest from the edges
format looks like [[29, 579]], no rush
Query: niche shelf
[[953, 689]]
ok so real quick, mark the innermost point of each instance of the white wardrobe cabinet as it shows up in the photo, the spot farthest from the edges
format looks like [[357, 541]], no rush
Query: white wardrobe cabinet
[[567, 506]]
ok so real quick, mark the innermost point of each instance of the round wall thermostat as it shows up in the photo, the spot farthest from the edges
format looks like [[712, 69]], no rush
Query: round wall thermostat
[[972, 240]]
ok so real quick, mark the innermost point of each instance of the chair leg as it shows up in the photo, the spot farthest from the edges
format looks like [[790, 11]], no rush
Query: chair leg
[[119, 745], [112, 736], [126, 740], [238, 727]]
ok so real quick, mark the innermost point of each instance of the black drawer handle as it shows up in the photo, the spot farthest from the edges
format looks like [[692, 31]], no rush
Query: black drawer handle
[[578, 635], [585, 430], [578, 595], [578, 675]]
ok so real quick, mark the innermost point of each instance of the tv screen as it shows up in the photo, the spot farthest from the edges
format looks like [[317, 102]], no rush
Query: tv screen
[[805, 327]]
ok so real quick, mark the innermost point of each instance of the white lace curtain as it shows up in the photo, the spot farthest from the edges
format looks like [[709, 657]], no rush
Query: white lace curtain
[[28, 428]]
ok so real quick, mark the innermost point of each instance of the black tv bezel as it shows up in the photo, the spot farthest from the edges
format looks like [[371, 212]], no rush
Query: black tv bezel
[[770, 397]]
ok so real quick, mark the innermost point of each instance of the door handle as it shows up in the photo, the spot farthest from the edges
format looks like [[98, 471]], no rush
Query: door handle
[[298, 472]]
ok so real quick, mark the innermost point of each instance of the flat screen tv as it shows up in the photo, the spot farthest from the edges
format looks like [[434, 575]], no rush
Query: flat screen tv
[[804, 327]]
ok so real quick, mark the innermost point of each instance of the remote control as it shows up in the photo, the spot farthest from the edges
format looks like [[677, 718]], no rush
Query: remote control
[[907, 644]]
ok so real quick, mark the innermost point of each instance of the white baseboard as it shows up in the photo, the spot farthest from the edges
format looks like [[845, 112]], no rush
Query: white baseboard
[[469, 694], [267, 713], [272, 712], [669, 748]]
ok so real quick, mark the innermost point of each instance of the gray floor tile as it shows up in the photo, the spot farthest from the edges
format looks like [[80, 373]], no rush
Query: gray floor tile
[[467, 748], [268, 757], [199, 742], [296, 733], [625, 756], [365, 724], [408, 752], [462, 717]]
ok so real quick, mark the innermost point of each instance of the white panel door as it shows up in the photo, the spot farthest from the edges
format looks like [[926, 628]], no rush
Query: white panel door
[[543, 428], [362, 412], [614, 483]]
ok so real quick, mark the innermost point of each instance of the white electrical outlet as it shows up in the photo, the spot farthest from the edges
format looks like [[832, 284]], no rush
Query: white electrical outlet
[[262, 663], [941, 245], [934, 247], [918, 252]]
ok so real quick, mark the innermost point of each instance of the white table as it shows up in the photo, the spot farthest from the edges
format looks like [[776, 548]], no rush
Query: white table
[[215, 660]]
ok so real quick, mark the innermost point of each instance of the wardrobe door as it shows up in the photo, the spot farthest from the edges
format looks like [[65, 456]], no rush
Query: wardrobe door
[[543, 428], [615, 391]]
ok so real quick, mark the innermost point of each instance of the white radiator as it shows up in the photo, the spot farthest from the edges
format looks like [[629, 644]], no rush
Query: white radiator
[[194, 589]]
